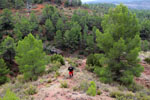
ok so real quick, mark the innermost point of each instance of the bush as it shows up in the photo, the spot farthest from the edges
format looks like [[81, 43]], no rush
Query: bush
[[10, 96], [99, 92], [55, 66], [64, 84], [147, 60], [103, 74], [145, 45], [84, 86], [75, 88], [92, 89], [31, 90], [57, 74], [134, 87], [20, 78], [57, 58]]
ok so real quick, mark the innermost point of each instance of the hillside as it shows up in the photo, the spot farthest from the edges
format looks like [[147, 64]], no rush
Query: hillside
[[106, 45]]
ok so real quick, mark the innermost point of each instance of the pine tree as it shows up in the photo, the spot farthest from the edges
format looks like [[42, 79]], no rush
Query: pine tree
[[120, 43], [8, 49], [49, 29], [3, 72], [34, 21], [19, 4], [73, 37], [60, 25], [59, 39], [23, 27], [30, 57], [6, 19]]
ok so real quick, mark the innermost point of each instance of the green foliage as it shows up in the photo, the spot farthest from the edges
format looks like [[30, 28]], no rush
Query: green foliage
[[121, 51], [72, 38], [23, 28], [145, 45], [34, 21], [31, 90], [84, 85], [64, 84], [59, 41], [49, 29], [99, 92], [6, 20], [147, 60], [145, 31], [60, 25], [92, 89], [55, 66], [19, 4], [30, 57], [57, 58], [8, 49], [3, 72], [134, 87], [56, 74], [73, 3], [10, 96]]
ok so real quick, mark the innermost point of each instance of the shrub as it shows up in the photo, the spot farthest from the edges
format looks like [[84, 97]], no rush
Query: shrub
[[75, 88], [55, 66], [57, 74], [99, 92], [57, 58], [20, 78], [10, 96], [147, 60], [134, 87], [64, 84], [92, 89], [145, 46], [84, 86], [31, 90], [49, 81]]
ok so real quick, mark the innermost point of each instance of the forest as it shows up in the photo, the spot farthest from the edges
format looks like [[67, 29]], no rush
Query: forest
[[34, 44]]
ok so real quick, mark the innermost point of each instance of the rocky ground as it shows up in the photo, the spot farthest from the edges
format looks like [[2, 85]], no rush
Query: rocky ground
[[53, 91]]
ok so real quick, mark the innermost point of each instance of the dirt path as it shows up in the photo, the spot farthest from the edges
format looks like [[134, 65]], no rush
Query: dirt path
[[53, 91]]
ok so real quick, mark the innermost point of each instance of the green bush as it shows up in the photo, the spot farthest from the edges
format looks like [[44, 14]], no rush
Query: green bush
[[134, 87], [84, 86], [57, 58], [145, 45], [103, 74], [147, 60], [31, 90], [10, 96], [64, 84], [92, 89], [57, 74], [99, 92], [55, 66], [20, 78]]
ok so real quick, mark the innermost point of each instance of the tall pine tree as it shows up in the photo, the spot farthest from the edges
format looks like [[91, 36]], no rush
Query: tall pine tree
[[120, 43]]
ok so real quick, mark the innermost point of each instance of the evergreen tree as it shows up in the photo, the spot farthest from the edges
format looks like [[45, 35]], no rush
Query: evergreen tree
[[6, 20], [3, 72], [60, 25], [23, 27], [34, 21], [49, 29], [3, 4], [19, 4], [55, 18], [59, 39], [8, 49], [120, 43], [30, 57], [73, 37]]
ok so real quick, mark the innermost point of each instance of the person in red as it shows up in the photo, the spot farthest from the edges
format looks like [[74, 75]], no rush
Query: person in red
[[70, 71]]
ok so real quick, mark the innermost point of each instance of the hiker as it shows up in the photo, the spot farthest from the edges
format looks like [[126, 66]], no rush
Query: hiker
[[70, 71]]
